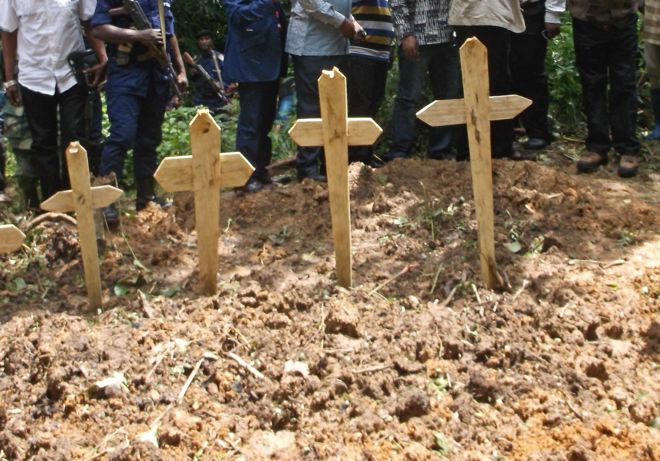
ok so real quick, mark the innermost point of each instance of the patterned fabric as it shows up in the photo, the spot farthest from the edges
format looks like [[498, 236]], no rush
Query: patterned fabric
[[604, 12], [375, 16], [427, 20], [652, 22]]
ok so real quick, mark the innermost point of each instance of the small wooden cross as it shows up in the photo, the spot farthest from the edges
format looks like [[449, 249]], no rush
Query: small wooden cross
[[205, 172], [477, 110], [83, 199], [335, 132], [11, 238]]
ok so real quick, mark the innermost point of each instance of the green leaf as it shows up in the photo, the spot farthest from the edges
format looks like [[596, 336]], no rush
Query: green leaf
[[120, 289], [18, 284]]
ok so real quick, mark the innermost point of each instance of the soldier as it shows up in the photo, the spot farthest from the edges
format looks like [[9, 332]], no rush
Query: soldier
[[209, 94], [137, 91]]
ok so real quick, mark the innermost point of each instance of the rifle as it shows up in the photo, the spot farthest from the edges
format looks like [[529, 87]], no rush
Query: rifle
[[217, 87], [133, 9]]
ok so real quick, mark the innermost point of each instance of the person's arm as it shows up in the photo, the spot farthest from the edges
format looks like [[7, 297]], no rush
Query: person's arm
[[113, 34], [553, 12], [242, 14], [9, 43], [177, 61], [99, 48], [403, 28], [324, 12]]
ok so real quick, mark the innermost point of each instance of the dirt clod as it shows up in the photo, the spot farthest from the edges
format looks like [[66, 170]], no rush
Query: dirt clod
[[410, 403]]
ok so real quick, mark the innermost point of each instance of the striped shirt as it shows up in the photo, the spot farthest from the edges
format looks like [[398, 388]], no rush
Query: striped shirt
[[652, 22], [425, 19], [375, 16]]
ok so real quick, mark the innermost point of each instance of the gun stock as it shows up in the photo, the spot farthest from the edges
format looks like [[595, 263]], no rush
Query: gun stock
[[219, 90]]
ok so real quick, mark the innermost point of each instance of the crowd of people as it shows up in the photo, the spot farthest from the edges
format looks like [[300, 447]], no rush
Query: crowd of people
[[57, 54]]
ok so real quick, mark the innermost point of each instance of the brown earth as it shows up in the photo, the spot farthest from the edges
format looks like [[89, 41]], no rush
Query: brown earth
[[417, 361]]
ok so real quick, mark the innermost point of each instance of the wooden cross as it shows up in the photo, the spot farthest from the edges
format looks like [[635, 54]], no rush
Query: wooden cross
[[205, 172], [83, 199], [335, 132], [11, 238], [477, 110]]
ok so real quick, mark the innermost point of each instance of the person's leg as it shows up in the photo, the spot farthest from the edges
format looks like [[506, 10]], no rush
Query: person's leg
[[268, 103], [591, 49], [652, 58], [41, 115], [529, 78], [307, 70], [123, 113], [150, 129], [623, 89], [409, 89], [72, 121], [366, 81], [26, 178], [445, 80]]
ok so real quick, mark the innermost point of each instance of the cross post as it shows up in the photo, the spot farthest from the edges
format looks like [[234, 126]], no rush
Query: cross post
[[83, 199], [335, 132], [477, 109], [204, 173], [11, 238]]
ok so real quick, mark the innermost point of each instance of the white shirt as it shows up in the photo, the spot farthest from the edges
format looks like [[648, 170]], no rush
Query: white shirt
[[498, 13], [48, 30]]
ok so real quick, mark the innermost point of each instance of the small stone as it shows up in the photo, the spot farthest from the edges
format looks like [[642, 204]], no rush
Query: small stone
[[643, 412], [277, 321], [368, 422], [343, 319]]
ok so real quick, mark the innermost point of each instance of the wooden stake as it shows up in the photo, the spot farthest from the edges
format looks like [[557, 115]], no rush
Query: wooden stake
[[82, 199], [335, 131], [204, 172], [11, 238], [474, 65], [477, 109]]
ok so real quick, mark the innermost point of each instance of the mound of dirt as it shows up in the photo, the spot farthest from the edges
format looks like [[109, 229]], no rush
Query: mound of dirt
[[418, 360]]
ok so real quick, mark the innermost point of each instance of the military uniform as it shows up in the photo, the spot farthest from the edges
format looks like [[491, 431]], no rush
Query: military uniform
[[204, 94], [137, 93]]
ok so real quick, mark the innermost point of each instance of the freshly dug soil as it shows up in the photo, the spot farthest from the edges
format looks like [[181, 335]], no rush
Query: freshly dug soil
[[417, 361]]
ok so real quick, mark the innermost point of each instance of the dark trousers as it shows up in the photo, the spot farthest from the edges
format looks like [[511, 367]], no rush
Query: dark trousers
[[41, 112], [135, 123], [258, 107], [607, 56], [366, 81], [440, 63], [306, 71], [528, 72], [498, 42]]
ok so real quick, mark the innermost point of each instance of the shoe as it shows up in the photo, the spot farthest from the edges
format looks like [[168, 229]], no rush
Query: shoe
[[254, 185], [590, 162], [145, 194], [535, 144], [110, 216], [519, 154], [628, 166], [376, 162]]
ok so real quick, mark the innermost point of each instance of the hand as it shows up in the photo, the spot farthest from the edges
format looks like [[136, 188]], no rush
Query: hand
[[98, 74], [350, 28], [182, 82], [231, 88], [14, 96], [552, 29], [149, 37], [410, 47]]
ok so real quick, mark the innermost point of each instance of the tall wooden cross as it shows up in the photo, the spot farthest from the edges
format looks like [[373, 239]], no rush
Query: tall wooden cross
[[335, 132], [477, 109], [205, 172], [11, 238], [82, 199]]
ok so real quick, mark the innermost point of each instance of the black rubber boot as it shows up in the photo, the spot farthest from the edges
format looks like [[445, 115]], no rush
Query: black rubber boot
[[145, 194]]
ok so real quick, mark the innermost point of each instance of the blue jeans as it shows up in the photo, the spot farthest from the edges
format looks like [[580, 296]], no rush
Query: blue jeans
[[306, 71], [440, 62]]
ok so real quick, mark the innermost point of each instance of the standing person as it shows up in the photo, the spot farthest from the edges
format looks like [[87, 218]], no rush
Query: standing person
[[369, 62], [137, 92], [528, 72], [652, 58], [317, 40], [44, 33], [605, 39], [425, 48], [212, 61], [255, 60], [492, 23]]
